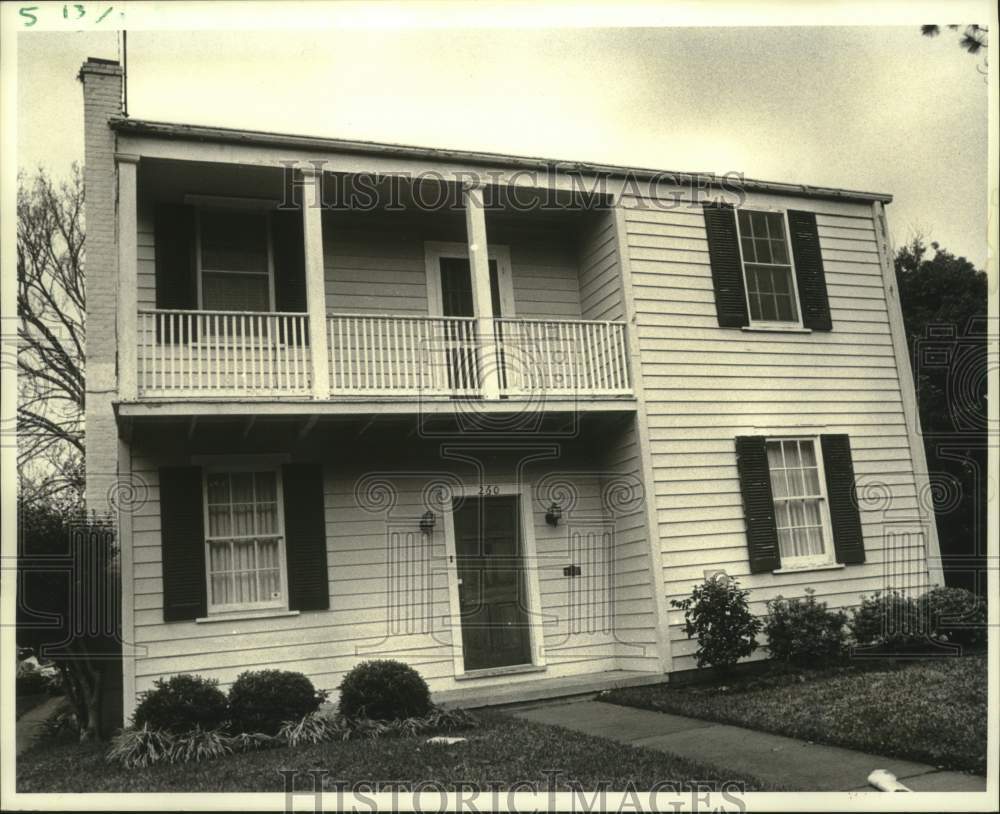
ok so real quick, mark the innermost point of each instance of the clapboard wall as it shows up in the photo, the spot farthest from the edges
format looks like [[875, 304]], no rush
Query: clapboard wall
[[374, 262], [705, 385], [388, 595]]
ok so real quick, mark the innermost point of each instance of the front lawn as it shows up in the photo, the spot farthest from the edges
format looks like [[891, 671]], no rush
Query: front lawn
[[931, 711], [503, 751]]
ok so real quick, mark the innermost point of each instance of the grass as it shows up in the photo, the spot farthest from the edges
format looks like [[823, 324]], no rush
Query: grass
[[931, 711], [503, 751]]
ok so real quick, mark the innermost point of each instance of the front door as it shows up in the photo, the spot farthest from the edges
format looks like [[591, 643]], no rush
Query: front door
[[491, 582]]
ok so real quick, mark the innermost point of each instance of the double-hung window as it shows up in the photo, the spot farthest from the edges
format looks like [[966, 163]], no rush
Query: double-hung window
[[800, 507], [245, 557], [234, 260], [767, 268]]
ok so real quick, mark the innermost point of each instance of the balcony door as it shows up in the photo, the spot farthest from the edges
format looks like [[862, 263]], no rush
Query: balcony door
[[492, 583]]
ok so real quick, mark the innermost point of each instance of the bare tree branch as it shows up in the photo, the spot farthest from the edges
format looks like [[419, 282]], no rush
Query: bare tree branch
[[51, 352]]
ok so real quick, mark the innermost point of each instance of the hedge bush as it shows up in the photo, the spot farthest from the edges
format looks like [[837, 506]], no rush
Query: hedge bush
[[804, 632], [384, 690], [889, 620], [955, 615], [718, 613], [181, 704], [262, 700]]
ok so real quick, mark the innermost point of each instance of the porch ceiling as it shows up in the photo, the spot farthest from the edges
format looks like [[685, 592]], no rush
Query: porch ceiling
[[303, 427]]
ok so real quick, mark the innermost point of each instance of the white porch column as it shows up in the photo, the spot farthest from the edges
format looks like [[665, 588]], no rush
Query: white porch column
[[128, 292], [312, 222], [482, 300]]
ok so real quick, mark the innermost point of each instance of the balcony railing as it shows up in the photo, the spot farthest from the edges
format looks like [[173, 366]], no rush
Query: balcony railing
[[214, 353], [219, 353]]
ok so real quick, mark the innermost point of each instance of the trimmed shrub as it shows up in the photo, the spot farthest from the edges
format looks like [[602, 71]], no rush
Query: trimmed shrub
[[180, 704], [384, 690], [263, 700], [718, 613], [803, 632], [955, 615], [890, 621]]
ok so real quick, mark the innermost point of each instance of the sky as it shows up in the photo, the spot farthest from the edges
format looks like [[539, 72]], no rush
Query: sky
[[873, 108]]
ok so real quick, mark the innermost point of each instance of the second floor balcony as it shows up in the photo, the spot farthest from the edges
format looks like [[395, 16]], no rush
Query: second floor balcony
[[263, 354], [236, 295]]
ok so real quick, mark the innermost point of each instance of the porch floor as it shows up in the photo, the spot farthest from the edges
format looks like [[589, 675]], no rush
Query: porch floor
[[543, 689]]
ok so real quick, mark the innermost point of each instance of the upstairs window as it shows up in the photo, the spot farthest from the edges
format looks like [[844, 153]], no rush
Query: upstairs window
[[767, 267], [234, 260]]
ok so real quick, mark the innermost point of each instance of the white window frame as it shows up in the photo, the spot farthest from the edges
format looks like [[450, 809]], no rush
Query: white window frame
[[769, 323], [435, 250], [238, 607], [829, 555], [236, 205]]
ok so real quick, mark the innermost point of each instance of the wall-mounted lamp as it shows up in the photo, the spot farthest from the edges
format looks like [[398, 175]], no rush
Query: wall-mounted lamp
[[553, 515], [427, 522]]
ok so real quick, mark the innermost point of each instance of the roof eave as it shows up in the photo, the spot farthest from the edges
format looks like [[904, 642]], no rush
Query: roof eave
[[190, 132]]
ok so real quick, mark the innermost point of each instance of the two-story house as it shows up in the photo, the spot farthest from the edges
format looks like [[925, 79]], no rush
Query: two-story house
[[484, 414]]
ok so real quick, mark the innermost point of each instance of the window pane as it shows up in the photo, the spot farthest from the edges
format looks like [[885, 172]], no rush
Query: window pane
[[749, 255], [267, 518], [812, 481], [270, 584], [782, 281], [785, 308], [814, 541], [779, 251], [246, 586], [785, 544], [218, 488], [763, 251], [745, 227], [266, 485], [768, 310], [791, 450], [759, 223], [219, 524], [812, 513], [235, 292], [233, 241], [775, 225], [808, 452]]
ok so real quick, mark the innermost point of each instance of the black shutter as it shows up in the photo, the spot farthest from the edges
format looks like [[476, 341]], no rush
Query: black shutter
[[727, 271], [289, 260], [848, 538], [305, 537], [809, 275], [758, 503], [182, 538]]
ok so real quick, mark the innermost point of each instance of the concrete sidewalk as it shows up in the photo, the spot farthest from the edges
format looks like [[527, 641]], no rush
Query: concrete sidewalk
[[793, 764], [28, 728]]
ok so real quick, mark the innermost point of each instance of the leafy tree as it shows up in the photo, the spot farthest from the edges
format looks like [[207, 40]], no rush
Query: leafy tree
[[50, 359], [973, 38], [943, 300], [68, 602]]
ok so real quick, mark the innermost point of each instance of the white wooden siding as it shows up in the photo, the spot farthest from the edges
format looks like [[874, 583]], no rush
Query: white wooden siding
[[704, 385], [375, 264], [325, 644], [600, 270]]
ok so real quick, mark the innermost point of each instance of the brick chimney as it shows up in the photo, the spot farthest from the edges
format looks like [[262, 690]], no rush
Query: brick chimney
[[102, 100]]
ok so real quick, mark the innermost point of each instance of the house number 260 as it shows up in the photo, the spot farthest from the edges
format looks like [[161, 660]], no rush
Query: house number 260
[[489, 490]]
